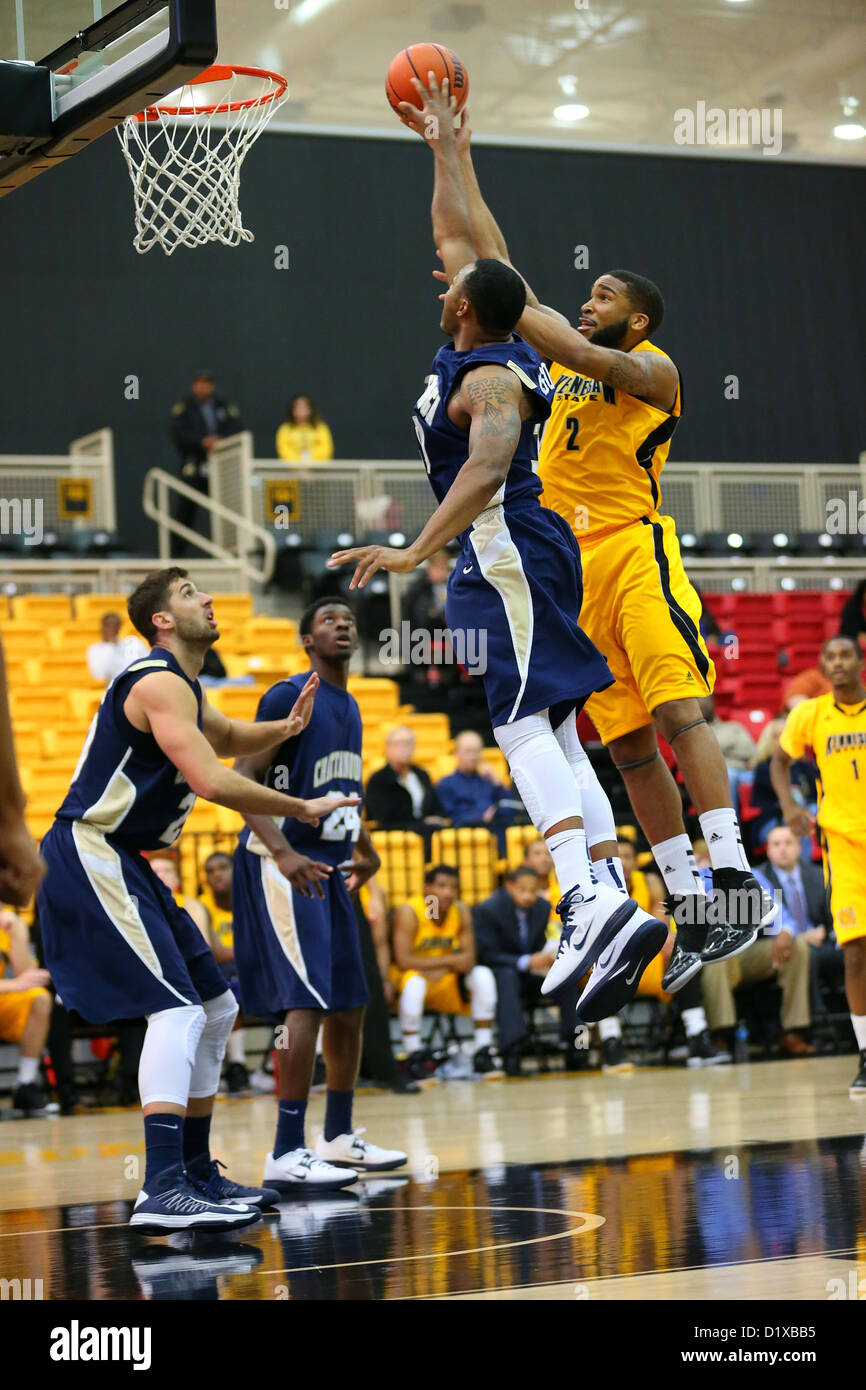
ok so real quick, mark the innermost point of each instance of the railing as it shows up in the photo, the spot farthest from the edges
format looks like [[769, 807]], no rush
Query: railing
[[38, 478], [238, 529]]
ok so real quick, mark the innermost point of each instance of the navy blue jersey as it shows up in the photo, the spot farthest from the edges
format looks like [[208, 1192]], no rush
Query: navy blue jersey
[[124, 785], [326, 757], [444, 447]]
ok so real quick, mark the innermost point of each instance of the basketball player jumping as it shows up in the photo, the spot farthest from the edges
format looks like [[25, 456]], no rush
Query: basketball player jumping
[[617, 401], [516, 585], [116, 943], [834, 727], [297, 948]]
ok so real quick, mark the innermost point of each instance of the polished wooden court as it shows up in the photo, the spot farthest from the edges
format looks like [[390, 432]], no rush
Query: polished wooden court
[[739, 1183]]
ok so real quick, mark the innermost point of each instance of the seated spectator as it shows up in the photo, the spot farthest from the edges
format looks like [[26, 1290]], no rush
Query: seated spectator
[[804, 893], [538, 857], [511, 938], [764, 798], [113, 653], [25, 1012], [303, 437], [783, 956], [216, 899], [400, 795], [434, 955], [473, 794], [166, 869], [852, 619], [737, 745]]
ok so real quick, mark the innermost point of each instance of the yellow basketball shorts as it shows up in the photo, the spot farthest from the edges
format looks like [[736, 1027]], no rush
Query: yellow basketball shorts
[[15, 1011], [643, 614], [845, 865], [444, 996]]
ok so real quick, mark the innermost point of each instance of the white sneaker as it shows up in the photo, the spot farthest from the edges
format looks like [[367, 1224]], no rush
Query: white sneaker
[[262, 1082], [582, 941], [300, 1168], [353, 1151]]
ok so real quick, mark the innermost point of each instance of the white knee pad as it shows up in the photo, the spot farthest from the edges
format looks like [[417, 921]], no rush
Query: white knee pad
[[541, 771], [598, 821], [168, 1054], [481, 983], [412, 997], [220, 1014]]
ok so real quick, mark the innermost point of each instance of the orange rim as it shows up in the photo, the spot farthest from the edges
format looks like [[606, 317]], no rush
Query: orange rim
[[220, 72]]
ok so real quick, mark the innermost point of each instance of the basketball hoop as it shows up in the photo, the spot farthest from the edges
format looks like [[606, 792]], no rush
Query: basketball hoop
[[184, 156]]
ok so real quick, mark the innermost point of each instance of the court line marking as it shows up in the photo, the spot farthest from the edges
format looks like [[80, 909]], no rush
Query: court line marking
[[591, 1222]]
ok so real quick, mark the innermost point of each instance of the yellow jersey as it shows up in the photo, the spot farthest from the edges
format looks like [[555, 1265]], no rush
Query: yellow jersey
[[305, 443], [602, 453], [435, 938], [638, 889], [220, 919], [837, 736]]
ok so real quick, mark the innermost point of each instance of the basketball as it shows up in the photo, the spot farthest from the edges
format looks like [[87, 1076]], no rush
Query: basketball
[[417, 61]]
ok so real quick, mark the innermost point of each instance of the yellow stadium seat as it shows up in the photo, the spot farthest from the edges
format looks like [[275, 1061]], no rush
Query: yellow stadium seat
[[47, 781], [60, 744], [236, 701], [472, 850], [91, 607], [83, 705], [41, 608], [23, 639], [39, 822], [517, 837], [271, 667], [5, 611], [402, 855], [232, 608], [74, 636], [28, 744], [60, 669], [38, 706]]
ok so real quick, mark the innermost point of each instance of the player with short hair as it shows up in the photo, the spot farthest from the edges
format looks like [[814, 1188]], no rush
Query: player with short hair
[[617, 399], [516, 586], [297, 948], [833, 726], [116, 943]]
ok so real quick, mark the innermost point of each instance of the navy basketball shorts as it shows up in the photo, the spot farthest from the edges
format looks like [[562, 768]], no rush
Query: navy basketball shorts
[[116, 943], [293, 952], [512, 607]]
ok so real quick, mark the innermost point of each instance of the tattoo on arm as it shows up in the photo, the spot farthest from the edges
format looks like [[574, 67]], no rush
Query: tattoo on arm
[[632, 372], [491, 402]]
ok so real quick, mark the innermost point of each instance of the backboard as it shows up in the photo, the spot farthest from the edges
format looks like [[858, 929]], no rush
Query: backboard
[[70, 70]]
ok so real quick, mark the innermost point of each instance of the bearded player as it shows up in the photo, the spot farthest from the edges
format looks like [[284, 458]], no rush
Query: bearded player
[[617, 401]]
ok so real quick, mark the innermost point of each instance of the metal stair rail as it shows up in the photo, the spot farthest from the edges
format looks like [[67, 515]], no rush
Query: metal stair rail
[[155, 501]]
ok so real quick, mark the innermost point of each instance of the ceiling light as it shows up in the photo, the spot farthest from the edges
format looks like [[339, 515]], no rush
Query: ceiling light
[[849, 130], [789, 583], [567, 84], [735, 540], [738, 584], [780, 540], [570, 112], [309, 9]]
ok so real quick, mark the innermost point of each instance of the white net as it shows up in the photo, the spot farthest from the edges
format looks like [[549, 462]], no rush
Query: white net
[[185, 157]]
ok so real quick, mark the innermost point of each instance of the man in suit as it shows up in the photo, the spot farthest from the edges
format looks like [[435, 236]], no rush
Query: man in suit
[[801, 884], [511, 937], [400, 796], [197, 424]]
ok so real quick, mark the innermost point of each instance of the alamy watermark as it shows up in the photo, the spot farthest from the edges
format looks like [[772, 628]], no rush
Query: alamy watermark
[[22, 516], [408, 646], [846, 516], [711, 125]]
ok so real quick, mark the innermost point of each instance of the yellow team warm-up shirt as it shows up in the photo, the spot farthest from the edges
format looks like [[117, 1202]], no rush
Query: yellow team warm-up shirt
[[220, 919], [435, 938], [837, 736], [602, 452]]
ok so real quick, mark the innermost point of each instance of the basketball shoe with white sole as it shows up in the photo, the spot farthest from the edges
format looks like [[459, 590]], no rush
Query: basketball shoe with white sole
[[744, 906], [352, 1151], [584, 938], [222, 1189], [618, 969], [175, 1201], [302, 1170]]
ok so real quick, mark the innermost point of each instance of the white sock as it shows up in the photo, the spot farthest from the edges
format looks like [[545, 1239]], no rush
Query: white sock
[[724, 842], [609, 1028], [676, 860], [235, 1047], [411, 1042], [27, 1069], [571, 861], [859, 1022], [483, 1037], [610, 871], [694, 1021]]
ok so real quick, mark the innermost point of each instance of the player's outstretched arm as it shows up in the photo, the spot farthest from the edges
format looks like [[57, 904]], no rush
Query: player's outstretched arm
[[648, 375], [164, 705], [490, 396], [231, 738], [452, 232], [304, 874]]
